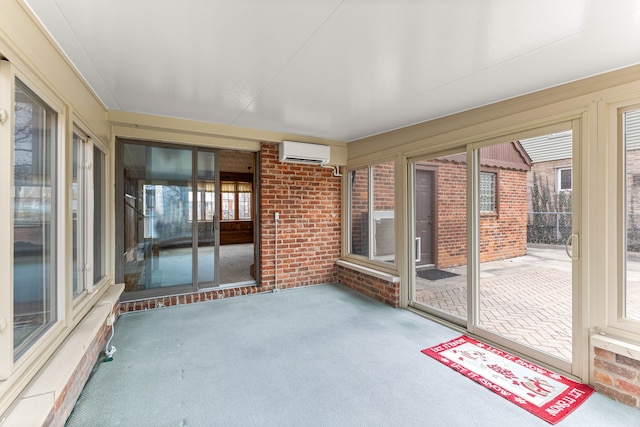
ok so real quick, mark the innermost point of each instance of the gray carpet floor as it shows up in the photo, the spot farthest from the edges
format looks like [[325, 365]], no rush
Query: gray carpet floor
[[315, 356]]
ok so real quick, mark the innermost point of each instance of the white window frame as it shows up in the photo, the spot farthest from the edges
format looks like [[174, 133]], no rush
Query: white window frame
[[373, 216], [91, 285], [559, 178], [615, 323], [9, 366]]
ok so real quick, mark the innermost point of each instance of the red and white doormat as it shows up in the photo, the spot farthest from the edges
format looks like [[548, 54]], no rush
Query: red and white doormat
[[543, 393]]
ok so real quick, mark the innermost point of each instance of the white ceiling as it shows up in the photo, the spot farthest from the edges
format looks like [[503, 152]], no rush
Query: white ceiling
[[337, 69]]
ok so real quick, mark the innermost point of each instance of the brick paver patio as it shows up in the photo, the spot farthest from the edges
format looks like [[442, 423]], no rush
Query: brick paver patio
[[525, 299]]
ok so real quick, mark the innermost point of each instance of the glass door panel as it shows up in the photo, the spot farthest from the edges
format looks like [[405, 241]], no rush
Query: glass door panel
[[207, 220], [524, 289], [440, 236], [157, 227]]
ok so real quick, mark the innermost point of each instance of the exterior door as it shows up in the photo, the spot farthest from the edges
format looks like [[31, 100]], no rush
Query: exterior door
[[523, 287], [425, 217]]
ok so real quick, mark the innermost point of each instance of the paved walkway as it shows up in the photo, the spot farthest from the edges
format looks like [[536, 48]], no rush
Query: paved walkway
[[526, 299]]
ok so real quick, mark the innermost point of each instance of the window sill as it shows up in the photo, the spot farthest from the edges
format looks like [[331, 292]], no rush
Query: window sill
[[616, 345], [387, 277]]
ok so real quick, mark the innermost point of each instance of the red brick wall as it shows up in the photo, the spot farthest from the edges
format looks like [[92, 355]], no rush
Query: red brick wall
[[384, 291], [451, 203], [617, 376], [503, 235], [308, 199]]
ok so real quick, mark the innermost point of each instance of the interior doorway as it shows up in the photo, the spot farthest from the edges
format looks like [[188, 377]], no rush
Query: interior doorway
[[185, 217]]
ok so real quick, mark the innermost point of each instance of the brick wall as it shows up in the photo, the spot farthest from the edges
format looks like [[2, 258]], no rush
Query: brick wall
[[617, 376], [451, 185], [503, 234], [547, 172], [308, 199], [384, 291], [167, 301]]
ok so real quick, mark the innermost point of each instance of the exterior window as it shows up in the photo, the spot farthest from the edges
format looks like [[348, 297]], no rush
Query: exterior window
[[34, 219], [487, 192], [87, 210], [79, 212], [98, 214], [372, 212], [359, 211], [631, 141], [236, 201], [564, 179]]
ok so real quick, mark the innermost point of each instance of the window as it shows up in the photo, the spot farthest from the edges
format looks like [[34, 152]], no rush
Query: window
[[372, 212], [631, 142], [87, 211], [235, 200], [34, 218], [564, 179], [487, 192], [79, 211], [98, 214]]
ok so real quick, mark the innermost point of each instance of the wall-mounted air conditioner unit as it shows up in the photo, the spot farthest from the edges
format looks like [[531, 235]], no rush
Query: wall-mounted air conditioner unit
[[302, 152]]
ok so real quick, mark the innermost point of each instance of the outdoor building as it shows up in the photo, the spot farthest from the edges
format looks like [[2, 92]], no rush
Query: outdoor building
[[144, 166]]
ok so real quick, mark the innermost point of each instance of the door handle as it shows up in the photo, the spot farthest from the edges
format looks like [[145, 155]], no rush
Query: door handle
[[574, 240]]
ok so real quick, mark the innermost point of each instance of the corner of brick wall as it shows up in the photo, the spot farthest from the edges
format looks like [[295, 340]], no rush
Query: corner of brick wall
[[617, 377], [381, 290]]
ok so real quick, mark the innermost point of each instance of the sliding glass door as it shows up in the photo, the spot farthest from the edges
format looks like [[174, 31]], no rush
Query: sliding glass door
[[495, 242], [206, 220], [168, 217]]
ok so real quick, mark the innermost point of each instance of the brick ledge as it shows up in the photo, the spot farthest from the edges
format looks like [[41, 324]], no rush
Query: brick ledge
[[617, 346], [387, 277]]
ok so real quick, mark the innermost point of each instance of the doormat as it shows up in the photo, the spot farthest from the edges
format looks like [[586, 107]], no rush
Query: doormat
[[543, 393], [435, 274]]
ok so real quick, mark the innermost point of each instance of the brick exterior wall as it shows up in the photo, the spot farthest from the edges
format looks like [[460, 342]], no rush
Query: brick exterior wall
[[547, 171], [451, 201], [384, 291], [308, 199], [617, 377], [503, 234]]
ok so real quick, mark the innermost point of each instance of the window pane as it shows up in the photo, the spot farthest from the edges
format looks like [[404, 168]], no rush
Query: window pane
[[384, 211], [440, 224], [564, 178], [78, 213], [98, 214], [487, 192], [631, 125], [34, 204], [244, 206], [359, 212], [228, 206]]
